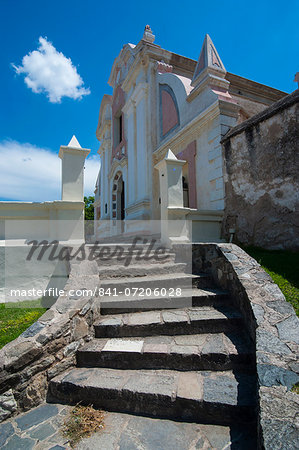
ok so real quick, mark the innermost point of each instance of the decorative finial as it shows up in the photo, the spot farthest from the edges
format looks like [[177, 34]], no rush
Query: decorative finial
[[296, 79], [208, 60], [148, 34]]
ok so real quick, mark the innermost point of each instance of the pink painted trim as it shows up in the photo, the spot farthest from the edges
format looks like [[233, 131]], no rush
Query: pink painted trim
[[189, 154], [169, 113], [118, 100], [223, 94], [117, 151], [117, 104]]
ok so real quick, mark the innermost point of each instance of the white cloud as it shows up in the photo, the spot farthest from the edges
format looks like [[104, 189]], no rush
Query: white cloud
[[47, 70], [33, 174]]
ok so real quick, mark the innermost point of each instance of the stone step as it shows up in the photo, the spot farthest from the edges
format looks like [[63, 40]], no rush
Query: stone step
[[128, 259], [120, 254], [193, 320], [144, 239], [149, 245], [189, 297], [209, 296], [140, 241], [213, 397], [138, 250], [181, 352], [141, 270], [155, 281]]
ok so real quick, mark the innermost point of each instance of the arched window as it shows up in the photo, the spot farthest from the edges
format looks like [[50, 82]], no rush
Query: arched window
[[169, 111]]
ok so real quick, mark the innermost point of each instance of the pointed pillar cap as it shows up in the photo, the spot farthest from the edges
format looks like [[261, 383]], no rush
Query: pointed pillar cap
[[208, 59], [73, 147], [170, 156], [171, 159], [74, 142]]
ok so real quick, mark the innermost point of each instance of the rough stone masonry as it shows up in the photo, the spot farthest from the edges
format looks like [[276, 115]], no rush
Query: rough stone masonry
[[261, 181]]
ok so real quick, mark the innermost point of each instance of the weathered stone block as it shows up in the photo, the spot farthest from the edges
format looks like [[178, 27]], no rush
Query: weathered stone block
[[270, 375], [60, 367], [79, 328], [35, 392], [288, 329], [21, 353], [17, 442], [6, 430], [268, 342], [8, 404], [36, 416], [39, 366], [71, 348]]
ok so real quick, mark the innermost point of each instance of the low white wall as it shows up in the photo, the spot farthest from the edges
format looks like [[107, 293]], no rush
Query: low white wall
[[206, 226], [22, 222], [61, 220]]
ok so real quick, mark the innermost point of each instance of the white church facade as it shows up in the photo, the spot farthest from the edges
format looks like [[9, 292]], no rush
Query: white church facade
[[160, 134]]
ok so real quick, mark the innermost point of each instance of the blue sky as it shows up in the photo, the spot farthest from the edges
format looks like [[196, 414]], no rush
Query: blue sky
[[257, 39]]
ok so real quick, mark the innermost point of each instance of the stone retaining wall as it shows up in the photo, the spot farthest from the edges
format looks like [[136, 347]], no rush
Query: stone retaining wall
[[48, 347], [273, 327]]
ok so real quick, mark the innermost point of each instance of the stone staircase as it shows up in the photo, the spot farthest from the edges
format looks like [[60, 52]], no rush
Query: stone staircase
[[186, 358]]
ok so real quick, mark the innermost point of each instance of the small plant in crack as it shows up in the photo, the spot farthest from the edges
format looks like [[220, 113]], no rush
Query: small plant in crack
[[82, 422]]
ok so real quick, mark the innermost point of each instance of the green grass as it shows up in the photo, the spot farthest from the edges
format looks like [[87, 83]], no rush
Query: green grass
[[283, 267], [16, 318], [295, 388]]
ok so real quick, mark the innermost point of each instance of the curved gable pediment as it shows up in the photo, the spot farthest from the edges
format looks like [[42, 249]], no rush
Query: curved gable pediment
[[122, 64]]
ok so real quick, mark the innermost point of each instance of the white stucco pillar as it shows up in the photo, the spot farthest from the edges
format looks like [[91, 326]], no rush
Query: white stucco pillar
[[173, 223], [103, 181], [72, 170], [107, 195], [170, 174], [129, 111]]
